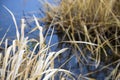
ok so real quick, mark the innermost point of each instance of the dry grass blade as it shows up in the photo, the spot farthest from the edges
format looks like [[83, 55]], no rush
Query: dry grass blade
[[114, 73], [40, 33], [14, 20], [5, 35], [22, 29], [53, 55], [81, 42], [18, 64], [5, 60]]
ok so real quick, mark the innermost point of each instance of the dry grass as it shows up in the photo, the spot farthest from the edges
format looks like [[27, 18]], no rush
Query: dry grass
[[20, 62], [89, 21]]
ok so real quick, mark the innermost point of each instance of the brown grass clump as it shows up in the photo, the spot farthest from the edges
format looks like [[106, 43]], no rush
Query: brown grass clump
[[20, 62], [90, 21]]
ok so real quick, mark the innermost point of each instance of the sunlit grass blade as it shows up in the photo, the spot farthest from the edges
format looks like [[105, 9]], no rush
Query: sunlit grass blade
[[14, 20]]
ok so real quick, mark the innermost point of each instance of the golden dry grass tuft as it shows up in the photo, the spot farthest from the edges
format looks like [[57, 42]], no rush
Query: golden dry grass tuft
[[90, 21]]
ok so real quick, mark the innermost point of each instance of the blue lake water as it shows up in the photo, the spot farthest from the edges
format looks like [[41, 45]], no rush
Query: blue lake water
[[20, 8], [17, 7]]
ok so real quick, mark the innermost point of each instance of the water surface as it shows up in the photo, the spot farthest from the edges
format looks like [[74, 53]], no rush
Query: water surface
[[17, 7]]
